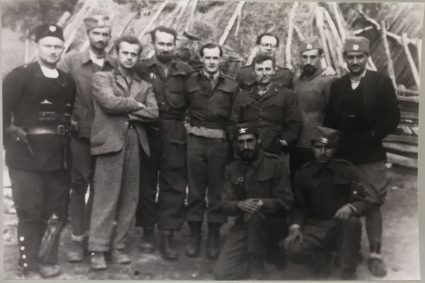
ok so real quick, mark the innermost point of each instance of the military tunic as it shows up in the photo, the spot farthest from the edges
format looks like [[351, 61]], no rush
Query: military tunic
[[38, 169], [246, 77], [263, 179]]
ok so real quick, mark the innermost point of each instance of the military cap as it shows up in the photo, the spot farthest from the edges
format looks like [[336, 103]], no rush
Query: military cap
[[45, 30], [310, 44], [245, 129], [356, 44], [96, 21], [325, 136]]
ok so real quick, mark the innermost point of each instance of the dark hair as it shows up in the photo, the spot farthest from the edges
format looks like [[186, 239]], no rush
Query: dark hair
[[130, 39], [258, 59], [210, 46], [163, 29], [267, 34]]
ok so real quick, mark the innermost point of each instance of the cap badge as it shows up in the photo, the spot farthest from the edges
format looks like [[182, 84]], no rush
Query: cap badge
[[324, 140], [309, 46], [356, 47], [243, 130], [52, 28]]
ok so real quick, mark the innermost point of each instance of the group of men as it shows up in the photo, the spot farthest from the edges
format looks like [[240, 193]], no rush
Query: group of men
[[260, 147]]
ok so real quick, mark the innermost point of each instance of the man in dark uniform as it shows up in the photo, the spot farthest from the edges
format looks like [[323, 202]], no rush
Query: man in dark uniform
[[267, 44], [329, 200], [311, 90], [167, 141], [363, 106], [210, 95], [81, 66], [37, 108], [257, 191]]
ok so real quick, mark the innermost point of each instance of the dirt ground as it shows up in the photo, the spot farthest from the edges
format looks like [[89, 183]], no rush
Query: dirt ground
[[400, 247]]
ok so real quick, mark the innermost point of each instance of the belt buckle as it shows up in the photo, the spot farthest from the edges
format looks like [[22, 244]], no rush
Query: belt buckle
[[61, 130]]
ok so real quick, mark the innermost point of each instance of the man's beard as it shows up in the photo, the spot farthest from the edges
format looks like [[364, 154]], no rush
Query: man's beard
[[98, 49], [249, 155], [309, 70], [164, 57]]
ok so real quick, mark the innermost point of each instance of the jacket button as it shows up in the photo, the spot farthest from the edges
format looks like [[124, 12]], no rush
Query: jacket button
[[24, 256], [22, 248], [25, 264], [21, 239]]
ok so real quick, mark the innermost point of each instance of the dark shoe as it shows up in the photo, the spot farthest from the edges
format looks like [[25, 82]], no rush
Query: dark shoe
[[49, 270], [76, 252], [348, 275], [376, 266], [322, 264], [256, 267], [194, 247], [120, 257], [167, 250], [147, 245], [213, 241], [97, 261]]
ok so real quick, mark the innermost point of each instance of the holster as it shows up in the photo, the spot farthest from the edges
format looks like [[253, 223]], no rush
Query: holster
[[48, 251]]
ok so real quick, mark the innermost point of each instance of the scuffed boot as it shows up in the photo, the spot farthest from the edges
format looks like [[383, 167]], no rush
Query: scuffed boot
[[147, 245], [120, 257], [49, 270], [97, 261], [213, 241], [376, 265], [76, 252], [256, 267], [194, 247], [167, 250]]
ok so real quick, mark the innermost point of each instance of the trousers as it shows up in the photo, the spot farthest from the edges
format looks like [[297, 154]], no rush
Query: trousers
[[38, 195], [116, 186], [206, 160]]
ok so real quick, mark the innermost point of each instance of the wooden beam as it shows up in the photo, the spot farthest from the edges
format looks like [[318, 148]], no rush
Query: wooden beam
[[419, 52], [191, 15], [319, 24], [180, 15], [402, 160], [339, 20], [408, 91], [401, 147], [402, 139], [299, 33], [410, 60], [390, 65], [231, 22], [62, 20], [238, 24], [414, 99], [359, 31], [337, 54], [288, 59], [154, 18]]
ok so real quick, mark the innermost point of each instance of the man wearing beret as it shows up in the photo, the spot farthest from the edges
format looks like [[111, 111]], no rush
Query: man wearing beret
[[329, 200], [37, 106], [267, 44], [311, 90], [123, 105], [363, 106], [256, 191], [81, 66]]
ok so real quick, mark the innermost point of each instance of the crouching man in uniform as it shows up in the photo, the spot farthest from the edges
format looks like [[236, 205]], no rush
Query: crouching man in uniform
[[123, 104], [329, 202], [37, 105], [256, 190]]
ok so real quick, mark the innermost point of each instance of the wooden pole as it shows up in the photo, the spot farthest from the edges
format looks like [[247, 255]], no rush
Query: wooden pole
[[180, 16], [191, 15], [419, 51], [288, 59], [410, 60], [338, 59], [231, 23], [339, 20], [62, 20], [299, 33], [238, 24], [154, 18], [251, 56], [390, 67], [319, 23], [27, 43]]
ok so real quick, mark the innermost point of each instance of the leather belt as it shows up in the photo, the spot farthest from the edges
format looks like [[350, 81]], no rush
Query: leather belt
[[60, 130]]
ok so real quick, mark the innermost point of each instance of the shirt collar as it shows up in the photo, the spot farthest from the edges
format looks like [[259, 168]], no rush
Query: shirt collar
[[207, 75], [134, 74], [86, 57]]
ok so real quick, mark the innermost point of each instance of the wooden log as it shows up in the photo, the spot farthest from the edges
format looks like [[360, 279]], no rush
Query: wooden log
[[27, 45], [359, 31], [319, 24], [401, 147], [154, 18], [180, 16], [390, 64], [419, 52], [231, 22], [191, 15], [408, 91], [251, 56], [402, 139], [332, 51], [402, 160], [415, 130], [62, 20], [339, 20], [336, 54], [298, 32], [410, 60], [238, 24], [288, 58]]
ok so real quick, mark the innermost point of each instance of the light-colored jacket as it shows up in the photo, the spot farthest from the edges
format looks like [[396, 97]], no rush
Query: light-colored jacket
[[116, 104]]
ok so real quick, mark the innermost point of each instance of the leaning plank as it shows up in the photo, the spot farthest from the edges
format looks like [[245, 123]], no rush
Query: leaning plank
[[191, 15], [402, 160], [410, 60], [401, 147], [409, 91], [402, 139], [339, 20], [290, 35], [231, 22], [154, 18], [319, 24], [390, 65]]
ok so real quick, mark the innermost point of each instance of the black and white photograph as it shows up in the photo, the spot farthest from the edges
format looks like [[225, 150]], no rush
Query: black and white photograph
[[210, 140]]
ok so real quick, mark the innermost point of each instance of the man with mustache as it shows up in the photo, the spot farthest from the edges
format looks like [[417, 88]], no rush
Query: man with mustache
[[329, 199], [256, 190], [311, 90], [167, 139], [210, 96], [37, 106], [81, 66], [363, 107], [123, 105]]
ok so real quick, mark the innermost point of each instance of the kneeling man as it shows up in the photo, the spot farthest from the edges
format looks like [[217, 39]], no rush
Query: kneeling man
[[256, 190], [329, 200]]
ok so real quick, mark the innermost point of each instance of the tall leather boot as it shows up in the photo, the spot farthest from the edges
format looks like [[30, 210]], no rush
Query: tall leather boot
[[147, 245], [194, 247], [166, 247], [213, 241]]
